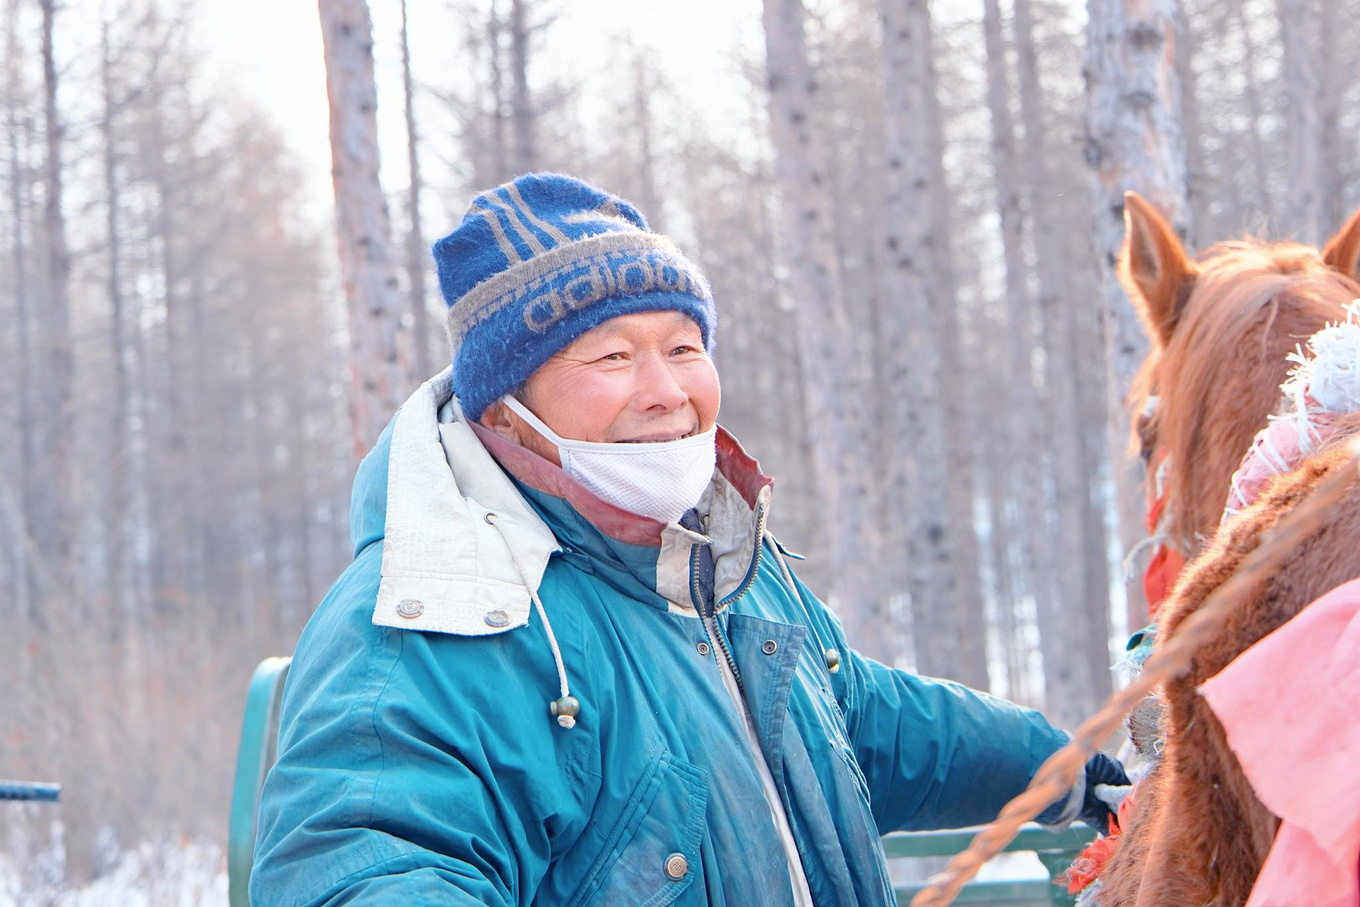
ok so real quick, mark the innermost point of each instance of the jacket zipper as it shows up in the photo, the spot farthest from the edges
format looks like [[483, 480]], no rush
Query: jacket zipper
[[715, 638], [710, 620], [709, 617]]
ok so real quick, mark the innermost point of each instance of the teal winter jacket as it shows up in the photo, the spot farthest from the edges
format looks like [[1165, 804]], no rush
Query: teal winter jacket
[[419, 762]]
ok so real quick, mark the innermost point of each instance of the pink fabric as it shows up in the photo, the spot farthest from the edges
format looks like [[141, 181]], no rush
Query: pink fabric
[[1276, 449], [1291, 708]]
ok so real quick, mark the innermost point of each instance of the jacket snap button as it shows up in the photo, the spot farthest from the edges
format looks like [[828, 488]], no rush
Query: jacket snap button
[[704, 649], [676, 866], [769, 647], [497, 618], [833, 660], [410, 608]]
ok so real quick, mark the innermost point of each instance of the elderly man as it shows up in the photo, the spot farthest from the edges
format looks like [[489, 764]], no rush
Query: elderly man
[[569, 663]]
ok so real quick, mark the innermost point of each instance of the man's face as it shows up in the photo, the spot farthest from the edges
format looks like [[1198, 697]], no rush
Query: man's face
[[640, 377]]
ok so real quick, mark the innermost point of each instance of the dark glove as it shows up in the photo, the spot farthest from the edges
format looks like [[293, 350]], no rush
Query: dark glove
[[1101, 772]]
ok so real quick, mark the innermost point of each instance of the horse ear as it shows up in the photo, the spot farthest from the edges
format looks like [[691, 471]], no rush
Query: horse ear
[[1154, 268], [1342, 252]]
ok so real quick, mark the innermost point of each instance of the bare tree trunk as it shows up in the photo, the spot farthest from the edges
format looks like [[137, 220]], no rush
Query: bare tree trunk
[[1074, 621], [1300, 78], [58, 350], [1002, 544], [494, 29], [1022, 480], [119, 499], [363, 229], [178, 543], [643, 80], [522, 111], [28, 587], [1256, 113], [832, 367], [417, 257], [1332, 160], [294, 613], [1133, 141], [956, 391], [1196, 177], [919, 308], [65, 606], [122, 605]]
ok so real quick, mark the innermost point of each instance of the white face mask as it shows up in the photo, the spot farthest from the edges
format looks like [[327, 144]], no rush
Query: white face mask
[[658, 479]]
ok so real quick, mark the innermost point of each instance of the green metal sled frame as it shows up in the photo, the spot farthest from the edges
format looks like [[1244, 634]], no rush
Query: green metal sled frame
[[254, 758]]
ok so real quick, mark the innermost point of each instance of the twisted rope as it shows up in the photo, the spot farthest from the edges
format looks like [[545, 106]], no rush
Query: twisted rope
[[1170, 659]]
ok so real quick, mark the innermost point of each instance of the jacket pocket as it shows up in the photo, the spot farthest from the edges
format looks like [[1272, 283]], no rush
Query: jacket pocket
[[651, 855]]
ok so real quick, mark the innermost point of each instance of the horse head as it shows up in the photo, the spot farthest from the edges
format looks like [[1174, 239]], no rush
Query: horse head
[[1220, 326]]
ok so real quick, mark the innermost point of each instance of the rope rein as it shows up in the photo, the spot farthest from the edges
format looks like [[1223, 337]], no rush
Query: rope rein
[[1169, 660]]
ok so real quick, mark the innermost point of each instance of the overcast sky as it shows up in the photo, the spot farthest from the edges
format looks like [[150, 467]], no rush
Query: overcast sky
[[272, 49]]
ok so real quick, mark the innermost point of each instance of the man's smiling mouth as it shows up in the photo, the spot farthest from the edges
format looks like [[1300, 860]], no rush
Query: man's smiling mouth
[[661, 437]]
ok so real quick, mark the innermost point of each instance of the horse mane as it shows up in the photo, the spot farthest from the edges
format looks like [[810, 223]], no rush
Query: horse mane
[[1252, 303]]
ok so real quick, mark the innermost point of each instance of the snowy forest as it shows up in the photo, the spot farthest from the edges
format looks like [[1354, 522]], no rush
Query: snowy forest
[[909, 213]]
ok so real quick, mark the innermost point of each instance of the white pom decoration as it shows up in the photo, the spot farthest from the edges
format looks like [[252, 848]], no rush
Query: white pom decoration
[[1329, 372]]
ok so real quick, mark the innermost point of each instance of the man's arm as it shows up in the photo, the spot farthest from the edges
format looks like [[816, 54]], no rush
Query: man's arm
[[935, 754], [397, 782]]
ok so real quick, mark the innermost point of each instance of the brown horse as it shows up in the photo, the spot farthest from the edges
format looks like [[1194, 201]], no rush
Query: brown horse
[[1221, 327]]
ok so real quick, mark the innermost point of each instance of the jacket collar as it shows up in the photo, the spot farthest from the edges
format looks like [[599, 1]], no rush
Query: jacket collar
[[445, 567]]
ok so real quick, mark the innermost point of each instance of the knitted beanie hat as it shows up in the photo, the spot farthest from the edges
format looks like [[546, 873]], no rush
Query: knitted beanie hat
[[539, 261]]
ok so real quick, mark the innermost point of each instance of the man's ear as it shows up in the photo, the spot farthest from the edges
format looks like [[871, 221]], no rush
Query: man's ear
[[499, 418]]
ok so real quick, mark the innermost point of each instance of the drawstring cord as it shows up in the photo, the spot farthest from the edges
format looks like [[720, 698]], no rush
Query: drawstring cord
[[1130, 564], [567, 707]]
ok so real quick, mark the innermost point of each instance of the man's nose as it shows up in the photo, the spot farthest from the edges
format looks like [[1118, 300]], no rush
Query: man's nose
[[659, 385]]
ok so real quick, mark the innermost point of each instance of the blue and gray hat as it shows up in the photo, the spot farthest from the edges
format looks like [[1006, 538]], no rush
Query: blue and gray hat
[[539, 261]]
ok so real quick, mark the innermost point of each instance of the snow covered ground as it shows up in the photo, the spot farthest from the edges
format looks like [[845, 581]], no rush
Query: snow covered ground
[[153, 875]]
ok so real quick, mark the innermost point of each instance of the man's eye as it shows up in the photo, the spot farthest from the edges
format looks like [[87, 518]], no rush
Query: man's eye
[[682, 350]]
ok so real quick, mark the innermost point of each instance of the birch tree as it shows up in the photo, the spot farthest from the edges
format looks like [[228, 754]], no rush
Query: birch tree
[[1071, 595], [417, 257], [112, 101], [918, 311], [831, 349], [379, 378], [645, 84], [1332, 163], [59, 361], [957, 395], [1133, 141], [20, 494], [525, 154], [1301, 82], [1018, 467], [1256, 113], [1196, 186]]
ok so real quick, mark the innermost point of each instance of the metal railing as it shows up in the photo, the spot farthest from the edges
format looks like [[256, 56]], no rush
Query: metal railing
[[1055, 850], [31, 791]]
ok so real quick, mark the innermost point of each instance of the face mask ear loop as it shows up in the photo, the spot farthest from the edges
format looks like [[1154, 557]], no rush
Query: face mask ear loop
[[533, 421], [567, 706]]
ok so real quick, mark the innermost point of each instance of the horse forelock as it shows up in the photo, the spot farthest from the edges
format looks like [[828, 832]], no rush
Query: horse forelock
[[1219, 375]]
